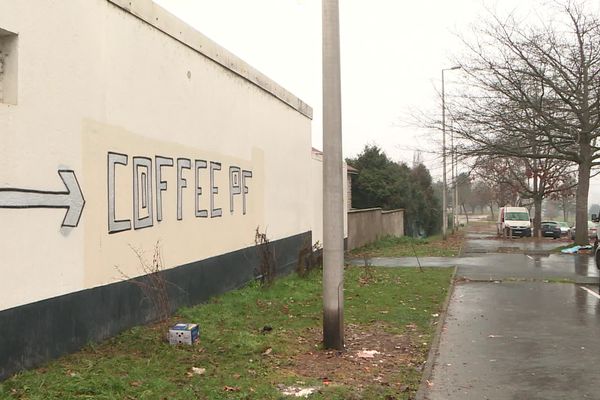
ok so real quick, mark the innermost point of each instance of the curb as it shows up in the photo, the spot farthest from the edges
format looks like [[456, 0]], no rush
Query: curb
[[435, 343], [590, 280]]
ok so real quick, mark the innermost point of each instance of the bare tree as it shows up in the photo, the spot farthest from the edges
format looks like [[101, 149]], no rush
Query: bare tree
[[483, 196], [532, 87], [530, 179], [565, 196], [464, 189], [493, 175]]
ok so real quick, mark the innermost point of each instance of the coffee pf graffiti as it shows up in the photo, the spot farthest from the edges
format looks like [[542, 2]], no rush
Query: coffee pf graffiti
[[149, 186]]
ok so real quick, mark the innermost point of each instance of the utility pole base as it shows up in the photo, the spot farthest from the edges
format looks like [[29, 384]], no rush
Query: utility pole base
[[333, 330]]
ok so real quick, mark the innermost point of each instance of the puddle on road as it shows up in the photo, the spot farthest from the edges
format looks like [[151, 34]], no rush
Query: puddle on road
[[476, 251], [509, 249]]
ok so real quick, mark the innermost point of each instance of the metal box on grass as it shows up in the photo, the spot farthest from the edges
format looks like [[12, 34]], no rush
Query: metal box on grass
[[184, 334]]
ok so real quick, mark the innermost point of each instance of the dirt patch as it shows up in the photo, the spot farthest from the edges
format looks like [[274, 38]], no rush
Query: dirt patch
[[453, 242], [482, 228], [372, 357]]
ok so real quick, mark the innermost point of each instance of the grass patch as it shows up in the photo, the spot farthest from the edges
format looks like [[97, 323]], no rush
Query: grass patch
[[389, 310], [405, 246]]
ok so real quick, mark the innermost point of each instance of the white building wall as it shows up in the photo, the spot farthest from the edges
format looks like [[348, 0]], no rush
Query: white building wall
[[93, 79]]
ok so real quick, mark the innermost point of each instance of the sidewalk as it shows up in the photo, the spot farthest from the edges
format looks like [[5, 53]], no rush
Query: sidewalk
[[518, 338]]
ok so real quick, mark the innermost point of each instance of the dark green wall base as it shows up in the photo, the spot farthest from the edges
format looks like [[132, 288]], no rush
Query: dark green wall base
[[38, 332]]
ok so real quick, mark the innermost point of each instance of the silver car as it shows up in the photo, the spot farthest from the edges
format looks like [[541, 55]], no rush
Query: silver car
[[565, 229], [592, 231]]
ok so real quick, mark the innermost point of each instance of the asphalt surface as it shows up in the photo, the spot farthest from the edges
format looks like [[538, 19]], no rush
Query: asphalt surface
[[511, 330], [518, 340], [488, 258]]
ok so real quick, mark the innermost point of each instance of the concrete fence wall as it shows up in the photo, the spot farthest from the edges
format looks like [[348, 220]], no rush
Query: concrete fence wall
[[366, 225], [393, 222]]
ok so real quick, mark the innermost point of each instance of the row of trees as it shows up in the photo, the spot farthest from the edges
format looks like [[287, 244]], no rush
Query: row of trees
[[528, 111], [485, 193], [384, 183]]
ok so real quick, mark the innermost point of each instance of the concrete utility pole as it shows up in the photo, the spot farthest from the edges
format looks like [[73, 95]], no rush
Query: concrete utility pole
[[444, 194], [457, 212], [333, 199]]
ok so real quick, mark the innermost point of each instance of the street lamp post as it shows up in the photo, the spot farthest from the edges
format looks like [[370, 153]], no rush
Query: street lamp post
[[454, 182], [444, 194]]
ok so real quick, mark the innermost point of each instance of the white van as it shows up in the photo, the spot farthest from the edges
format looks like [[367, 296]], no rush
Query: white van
[[514, 221]]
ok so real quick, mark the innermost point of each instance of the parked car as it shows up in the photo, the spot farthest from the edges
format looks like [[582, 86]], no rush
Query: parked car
[[565, 229], [592, 230], [551, 229]]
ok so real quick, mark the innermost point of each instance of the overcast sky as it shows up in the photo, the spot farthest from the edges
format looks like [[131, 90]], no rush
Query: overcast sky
[[392, 54]]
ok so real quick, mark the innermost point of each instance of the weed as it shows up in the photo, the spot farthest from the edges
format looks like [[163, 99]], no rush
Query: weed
[[266, 257], [153, 283], [309, 257], [367, 271]]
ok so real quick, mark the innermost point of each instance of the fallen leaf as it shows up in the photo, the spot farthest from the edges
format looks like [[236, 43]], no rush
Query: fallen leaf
[[231, 388], [198, 371], [267, 352]]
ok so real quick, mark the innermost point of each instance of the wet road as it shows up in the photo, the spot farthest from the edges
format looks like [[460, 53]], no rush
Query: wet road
[[497, 266], [519, 340], [511, 334], [486, 257]]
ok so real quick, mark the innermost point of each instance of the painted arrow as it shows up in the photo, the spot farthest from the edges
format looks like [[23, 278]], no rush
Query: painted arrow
[[72, 199]]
